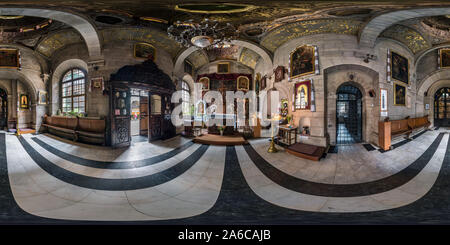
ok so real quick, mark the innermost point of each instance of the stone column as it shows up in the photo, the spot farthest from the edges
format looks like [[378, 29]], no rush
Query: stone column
[[14, 98]]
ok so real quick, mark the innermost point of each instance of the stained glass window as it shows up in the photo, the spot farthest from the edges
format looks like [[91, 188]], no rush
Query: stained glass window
[[73, 91]]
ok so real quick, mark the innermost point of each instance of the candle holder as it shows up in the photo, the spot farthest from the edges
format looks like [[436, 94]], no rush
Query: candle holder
[[17, 127]]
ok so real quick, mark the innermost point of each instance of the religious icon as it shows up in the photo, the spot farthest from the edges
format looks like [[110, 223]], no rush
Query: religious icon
[[445, 58], [302, 61], [302, 95], [284, 108], [223, 67], [399, 68], [205, 83], [9, 58], [279, 73], [97, 82], [263, 82], [42, 97], [399, 94], [24, 101], [243, 83], [144, 51]]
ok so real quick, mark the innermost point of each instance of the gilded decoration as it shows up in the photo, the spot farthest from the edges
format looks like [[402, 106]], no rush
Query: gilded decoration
[[249, 57], [285, 33], [408, 36], [58, 40], [153, 36]]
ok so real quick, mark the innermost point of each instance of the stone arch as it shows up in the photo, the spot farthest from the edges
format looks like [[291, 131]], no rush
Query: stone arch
[[430, 97], [374, 27], [427, 82], [37, 111], [266, 57], [425, 52], [57, 75], [81, 23], [364, 79]]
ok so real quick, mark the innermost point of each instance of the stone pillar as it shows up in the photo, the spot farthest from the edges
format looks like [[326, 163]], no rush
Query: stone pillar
[[14, 98], [38, 114]]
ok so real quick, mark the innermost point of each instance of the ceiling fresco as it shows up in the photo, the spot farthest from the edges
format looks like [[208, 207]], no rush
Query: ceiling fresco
[[58, 40], [408, 36], [249, 57], [198, 58], [284, 33], [267, 23], [153, 36]]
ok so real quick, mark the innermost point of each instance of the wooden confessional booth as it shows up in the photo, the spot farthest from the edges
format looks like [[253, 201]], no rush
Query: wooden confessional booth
[[158, 86]]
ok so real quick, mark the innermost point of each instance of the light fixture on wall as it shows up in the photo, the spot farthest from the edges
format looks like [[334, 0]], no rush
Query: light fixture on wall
[[369, 57], [366, 57], [204, 34]]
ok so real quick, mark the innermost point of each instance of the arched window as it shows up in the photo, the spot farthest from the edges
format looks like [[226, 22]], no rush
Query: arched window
[[185, 95], [73, 91]]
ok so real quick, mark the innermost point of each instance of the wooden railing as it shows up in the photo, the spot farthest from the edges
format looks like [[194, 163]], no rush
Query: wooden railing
[[389, 129]]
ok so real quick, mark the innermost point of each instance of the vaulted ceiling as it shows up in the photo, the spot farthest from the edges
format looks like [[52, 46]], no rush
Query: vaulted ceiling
[[266, 23]]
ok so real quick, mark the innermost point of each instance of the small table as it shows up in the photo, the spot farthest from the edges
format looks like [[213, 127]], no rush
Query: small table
[[286, 133]]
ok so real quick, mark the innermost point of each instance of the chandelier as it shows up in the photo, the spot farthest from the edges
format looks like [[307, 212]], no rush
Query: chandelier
[[204, 34]]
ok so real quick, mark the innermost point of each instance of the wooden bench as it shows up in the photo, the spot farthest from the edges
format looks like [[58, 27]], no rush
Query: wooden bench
[[419, 122], [391, 129], [85, 129], [399, 127]]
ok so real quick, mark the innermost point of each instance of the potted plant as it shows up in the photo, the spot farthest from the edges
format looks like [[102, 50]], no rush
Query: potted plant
[[221, 128], [289, 119]]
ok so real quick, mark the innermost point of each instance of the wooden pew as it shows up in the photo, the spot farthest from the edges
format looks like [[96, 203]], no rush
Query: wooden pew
[[91, 130], [86, 129], [393, 128]]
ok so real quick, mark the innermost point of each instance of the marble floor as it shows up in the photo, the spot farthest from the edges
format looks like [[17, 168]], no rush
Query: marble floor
[[45, 179]]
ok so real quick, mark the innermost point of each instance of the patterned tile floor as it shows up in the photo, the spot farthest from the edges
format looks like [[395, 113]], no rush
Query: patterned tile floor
[[44, 179]]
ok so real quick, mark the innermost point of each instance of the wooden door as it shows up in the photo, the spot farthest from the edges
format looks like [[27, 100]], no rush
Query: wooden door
[[143, 120], [155, 117], [120, 99]]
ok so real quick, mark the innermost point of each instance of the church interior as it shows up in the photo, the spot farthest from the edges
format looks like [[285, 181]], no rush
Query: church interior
[[344, 116]]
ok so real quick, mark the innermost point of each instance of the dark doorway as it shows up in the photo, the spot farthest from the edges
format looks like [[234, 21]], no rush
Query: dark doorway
[[442, 107], [348, 115], [3, 109]]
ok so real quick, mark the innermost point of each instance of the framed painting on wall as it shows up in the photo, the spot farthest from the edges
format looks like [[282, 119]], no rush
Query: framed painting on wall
[[97, 82], [399, 68], [302, 61], [144, 51], [399, 94], [302, 96], [243, 83], [205, 83], [279, 73], [24, 101], [263, 82], [445, 58], [223, 67], [9, 58], [42, 95]]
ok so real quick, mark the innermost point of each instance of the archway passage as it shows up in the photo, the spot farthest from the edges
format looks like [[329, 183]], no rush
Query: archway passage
[[348, 114], [3, 109], [442, 107]]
